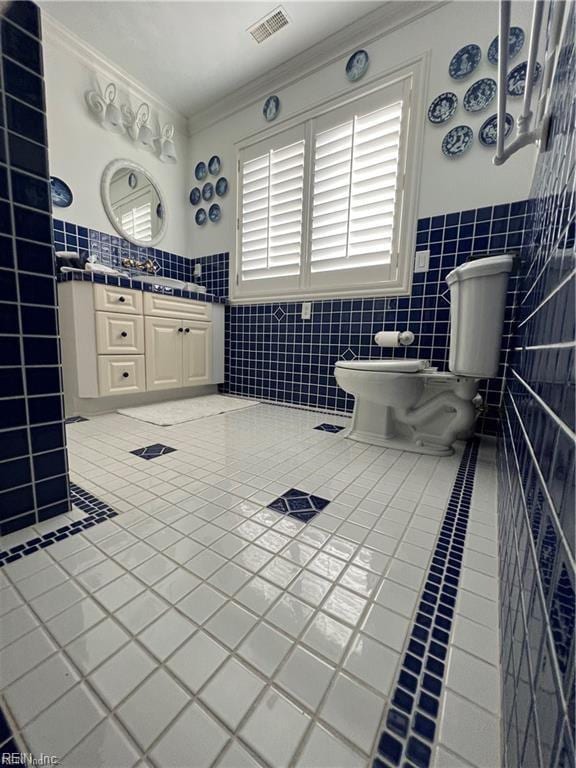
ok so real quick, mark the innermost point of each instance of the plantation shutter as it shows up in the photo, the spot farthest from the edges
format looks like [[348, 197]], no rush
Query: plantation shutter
[[354, 197], [137, 222], [272, 195]]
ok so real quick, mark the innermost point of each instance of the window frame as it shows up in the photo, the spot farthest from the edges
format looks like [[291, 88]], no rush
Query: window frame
[[411, 78]]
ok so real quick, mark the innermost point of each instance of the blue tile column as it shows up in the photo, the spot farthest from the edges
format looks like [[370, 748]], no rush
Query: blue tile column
[[33, 457], [537, 459]]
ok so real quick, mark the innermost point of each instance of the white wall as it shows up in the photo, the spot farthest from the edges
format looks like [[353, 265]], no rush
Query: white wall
[[447, 185], [79, 149]]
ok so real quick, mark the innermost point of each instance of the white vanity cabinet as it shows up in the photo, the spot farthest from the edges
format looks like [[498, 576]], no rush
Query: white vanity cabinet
[[121, 342]]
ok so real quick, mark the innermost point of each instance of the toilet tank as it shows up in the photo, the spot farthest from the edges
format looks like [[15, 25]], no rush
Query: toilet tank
[[477, 303]]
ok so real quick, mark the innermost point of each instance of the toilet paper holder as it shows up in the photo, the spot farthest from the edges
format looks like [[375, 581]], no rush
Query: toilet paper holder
[[394, 338]]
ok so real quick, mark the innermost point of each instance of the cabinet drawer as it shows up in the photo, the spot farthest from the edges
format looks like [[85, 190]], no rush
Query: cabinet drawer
[[118, 334], [118, 375], [160, 305], [111, 298]]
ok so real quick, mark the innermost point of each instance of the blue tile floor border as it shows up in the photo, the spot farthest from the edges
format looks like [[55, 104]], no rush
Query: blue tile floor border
[[413, 713], [96, 512]]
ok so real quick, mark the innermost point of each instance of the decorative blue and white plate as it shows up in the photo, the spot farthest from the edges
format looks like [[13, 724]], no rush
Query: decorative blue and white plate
[[457, 141], [442, 108], [516, 80], [271, 108], [357, 65], [214, 165], [195, 195], [215, 212], [480, 95], [200, 171], [222, 186], [200, 217], [516, 38], [464, 61], [61, 193], [488, 132], [207, 191]]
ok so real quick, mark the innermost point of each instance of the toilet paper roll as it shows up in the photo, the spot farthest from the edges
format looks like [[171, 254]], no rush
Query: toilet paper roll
[[387, 338]]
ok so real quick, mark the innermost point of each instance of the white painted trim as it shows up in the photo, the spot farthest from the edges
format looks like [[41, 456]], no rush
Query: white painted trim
[[387, 19], [60, 36], [107, 175]]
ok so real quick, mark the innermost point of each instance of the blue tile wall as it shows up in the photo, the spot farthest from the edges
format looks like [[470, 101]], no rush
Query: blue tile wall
[[33, 460], [536, 462], [215, 274], [271, 353], [112, 249]]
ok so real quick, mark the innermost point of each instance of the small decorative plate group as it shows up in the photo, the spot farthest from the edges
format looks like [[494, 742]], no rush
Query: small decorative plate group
[[356, 67], [220, 188], [479, 95]]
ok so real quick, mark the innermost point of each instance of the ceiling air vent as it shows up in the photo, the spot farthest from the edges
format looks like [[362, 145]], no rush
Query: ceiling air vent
[[270, 24]]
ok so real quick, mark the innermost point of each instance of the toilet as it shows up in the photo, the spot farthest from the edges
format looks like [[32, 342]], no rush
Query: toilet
[[409, 405]]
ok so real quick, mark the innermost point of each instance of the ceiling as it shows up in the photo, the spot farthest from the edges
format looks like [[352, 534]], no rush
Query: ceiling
[[192, 54]]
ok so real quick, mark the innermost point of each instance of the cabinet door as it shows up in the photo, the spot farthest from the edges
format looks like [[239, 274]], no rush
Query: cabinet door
[[163, 352], [197, 356]]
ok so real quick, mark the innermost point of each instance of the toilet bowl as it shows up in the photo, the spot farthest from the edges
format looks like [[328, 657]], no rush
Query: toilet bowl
[[407, 404]]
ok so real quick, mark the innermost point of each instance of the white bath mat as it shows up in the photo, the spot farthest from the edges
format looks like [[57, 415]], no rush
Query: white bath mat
[[179, 411]]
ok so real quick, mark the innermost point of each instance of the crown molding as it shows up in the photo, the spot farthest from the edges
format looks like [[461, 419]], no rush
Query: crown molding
[[387, 19], [57, 35]]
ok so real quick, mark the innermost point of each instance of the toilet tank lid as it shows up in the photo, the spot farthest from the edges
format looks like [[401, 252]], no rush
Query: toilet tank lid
[[490, 265], [393, 366]]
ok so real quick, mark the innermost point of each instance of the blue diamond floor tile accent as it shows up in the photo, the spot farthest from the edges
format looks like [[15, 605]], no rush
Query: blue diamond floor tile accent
[[298, 504], [75, 419], [329, 428], [153, 451], [412, 719]]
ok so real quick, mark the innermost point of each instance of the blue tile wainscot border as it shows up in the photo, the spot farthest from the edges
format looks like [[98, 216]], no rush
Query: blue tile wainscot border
[[111, 250], [96, 512], [537, 459], [412, 716], [33, 458], [272, 354], [138, 285]]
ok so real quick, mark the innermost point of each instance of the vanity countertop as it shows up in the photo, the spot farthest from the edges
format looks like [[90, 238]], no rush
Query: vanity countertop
[[137, 285]]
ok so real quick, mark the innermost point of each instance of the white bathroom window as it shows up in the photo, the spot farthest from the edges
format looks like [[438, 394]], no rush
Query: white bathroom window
[[324, 207]]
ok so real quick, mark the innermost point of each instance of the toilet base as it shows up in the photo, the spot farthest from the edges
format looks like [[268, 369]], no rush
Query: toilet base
[[398, 443]]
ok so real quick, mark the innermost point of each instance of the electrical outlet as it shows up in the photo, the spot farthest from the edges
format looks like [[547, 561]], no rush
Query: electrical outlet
[[421, 261], [197, 270], [306, 310]]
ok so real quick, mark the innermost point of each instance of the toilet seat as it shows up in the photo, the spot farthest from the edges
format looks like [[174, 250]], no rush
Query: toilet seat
[[391, 366]]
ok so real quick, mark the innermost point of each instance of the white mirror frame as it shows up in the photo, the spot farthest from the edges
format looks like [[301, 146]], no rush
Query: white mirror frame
[[109, 172]]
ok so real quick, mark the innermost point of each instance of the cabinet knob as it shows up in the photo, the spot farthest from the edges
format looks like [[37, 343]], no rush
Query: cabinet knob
[[186, 330], [123, 334], [121, 299], [125, 375], [180, 330]]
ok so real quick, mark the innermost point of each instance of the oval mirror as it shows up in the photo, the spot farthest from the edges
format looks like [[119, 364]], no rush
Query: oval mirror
[[133, 202]]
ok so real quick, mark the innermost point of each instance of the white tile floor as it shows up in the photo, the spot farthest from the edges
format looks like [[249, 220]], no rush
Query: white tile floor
[[199, 628]]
